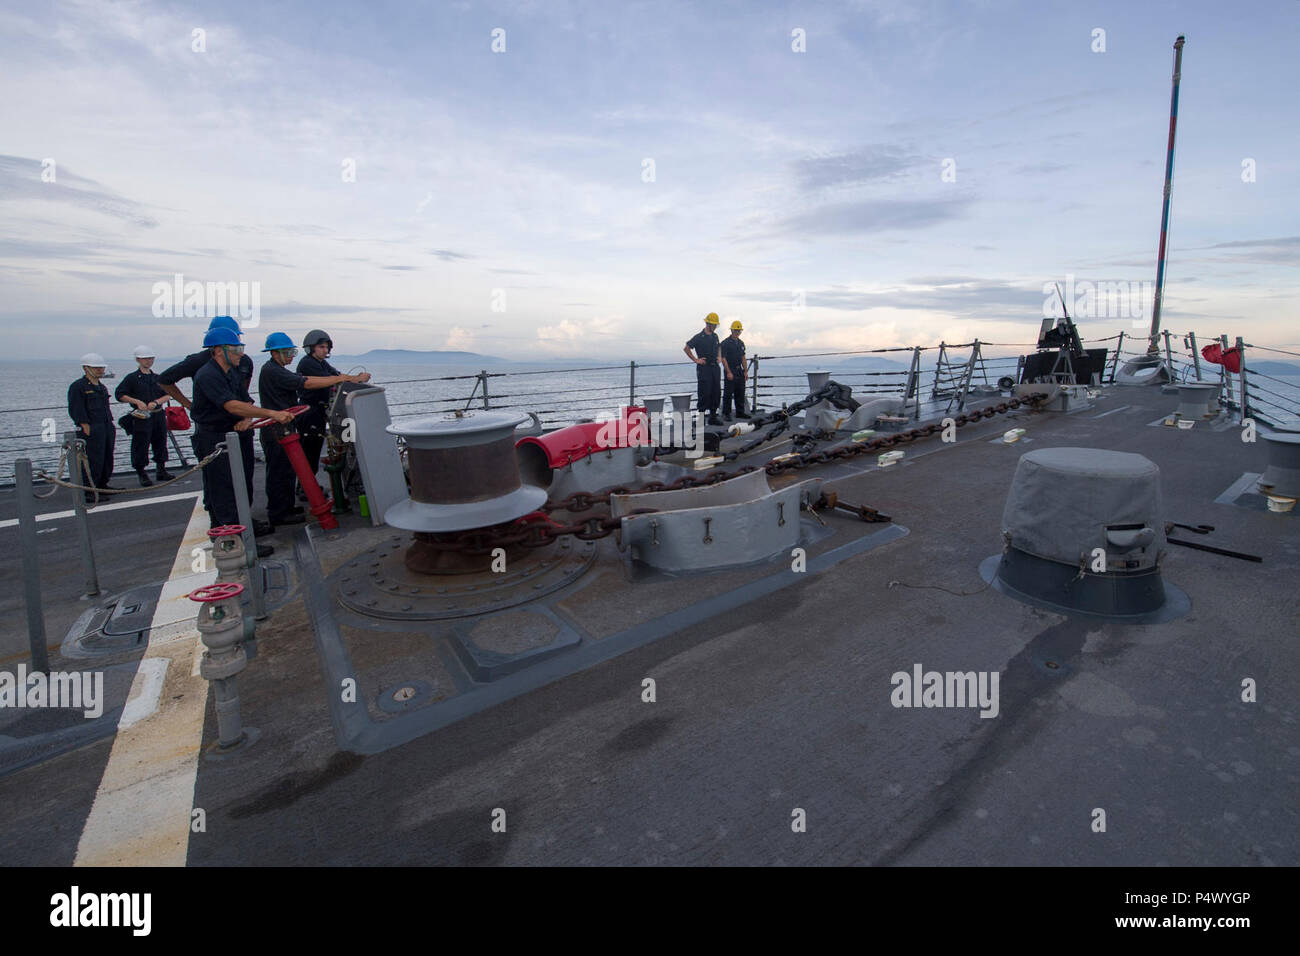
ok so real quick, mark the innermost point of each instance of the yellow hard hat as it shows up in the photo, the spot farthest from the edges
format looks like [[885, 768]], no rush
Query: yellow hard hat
[[711, 318], [737, 327]]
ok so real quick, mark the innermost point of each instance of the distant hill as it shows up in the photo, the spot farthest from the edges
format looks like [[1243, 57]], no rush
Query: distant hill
[[417, 357]]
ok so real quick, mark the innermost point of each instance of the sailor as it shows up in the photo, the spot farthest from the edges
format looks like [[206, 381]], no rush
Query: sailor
[[88, 408], [141, 390], [707, 372], [314, 423], [189, 366], [222, 404], [278, 388], [733, 366]]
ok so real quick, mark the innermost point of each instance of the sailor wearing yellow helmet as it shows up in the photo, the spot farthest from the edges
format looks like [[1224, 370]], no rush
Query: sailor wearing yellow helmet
[[708, 376], [733, 366]]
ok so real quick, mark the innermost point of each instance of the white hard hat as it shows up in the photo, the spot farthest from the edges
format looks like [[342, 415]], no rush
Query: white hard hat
[[94, 360], [143, 351]]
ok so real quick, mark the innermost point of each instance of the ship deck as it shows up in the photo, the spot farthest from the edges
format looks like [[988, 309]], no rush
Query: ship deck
[[778, 702]]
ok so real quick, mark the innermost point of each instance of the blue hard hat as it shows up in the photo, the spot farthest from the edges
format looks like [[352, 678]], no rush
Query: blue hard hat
[[220, 336], [278, 340], [225, 322]]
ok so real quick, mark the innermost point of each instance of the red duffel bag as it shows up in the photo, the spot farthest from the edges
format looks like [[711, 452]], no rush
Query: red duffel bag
[[177, 420], [1228, 358]]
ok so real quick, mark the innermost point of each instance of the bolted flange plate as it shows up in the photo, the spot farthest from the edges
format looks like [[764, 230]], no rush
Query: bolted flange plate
[[377, 582]]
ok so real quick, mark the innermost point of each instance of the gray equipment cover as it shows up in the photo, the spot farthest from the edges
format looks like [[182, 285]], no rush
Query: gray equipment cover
[[377, 456], [1062, 500]]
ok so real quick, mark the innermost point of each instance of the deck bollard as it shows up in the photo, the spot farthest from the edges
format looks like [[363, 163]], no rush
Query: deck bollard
[[1280, 481], [681, 415], [654, 408], [1196, 401]]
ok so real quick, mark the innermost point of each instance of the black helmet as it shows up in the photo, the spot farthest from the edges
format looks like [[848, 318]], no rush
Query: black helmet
[[316, 337]]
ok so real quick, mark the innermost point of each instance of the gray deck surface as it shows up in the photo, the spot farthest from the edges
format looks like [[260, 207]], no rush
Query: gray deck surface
[[785, 703]]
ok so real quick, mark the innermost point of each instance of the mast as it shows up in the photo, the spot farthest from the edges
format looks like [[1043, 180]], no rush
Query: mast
[[1153, 347]]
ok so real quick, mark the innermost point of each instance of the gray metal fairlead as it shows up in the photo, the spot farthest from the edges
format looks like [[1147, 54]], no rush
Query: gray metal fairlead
[[731, 523], [603, 468]]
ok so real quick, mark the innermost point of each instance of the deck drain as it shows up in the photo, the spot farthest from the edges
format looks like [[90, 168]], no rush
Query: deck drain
[[405, 696]]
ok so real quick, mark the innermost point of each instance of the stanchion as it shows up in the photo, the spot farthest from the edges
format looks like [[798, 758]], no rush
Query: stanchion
[[245, 511], [71, 439], [31, 565]]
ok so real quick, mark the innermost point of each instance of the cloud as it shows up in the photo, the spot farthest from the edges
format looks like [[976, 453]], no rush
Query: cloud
[[20, 180], [400, 268], [951, 295], [941, 280], [41, 249], [138, 278], [446, 255], [459, 339], [1281, 251], [873, 215], [1256, 243], [567, 332], [1048, 166], [299, 308], [869, 164]]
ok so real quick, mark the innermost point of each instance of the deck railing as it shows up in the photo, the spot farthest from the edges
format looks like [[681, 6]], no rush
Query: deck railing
[[930, 372]]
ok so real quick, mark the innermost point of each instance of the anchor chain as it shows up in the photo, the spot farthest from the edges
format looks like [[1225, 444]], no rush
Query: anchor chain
[[539, 529]]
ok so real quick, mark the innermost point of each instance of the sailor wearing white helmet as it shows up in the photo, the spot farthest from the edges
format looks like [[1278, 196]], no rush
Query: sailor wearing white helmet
[[147, 425], [89, 410]]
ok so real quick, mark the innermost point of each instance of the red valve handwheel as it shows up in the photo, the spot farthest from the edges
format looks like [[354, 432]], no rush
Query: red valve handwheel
[[226, 529], [216, 592]]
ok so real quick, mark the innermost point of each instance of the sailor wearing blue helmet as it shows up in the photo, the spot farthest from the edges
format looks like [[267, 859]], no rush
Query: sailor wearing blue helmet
[[222, 404], [278, 388], [189, 366]]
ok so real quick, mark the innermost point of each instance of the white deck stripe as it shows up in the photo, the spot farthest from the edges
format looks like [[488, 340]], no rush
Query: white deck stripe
[[141, 814], [115, 506]]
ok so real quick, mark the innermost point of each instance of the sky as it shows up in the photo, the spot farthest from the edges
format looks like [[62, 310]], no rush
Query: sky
[[540, 180]]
